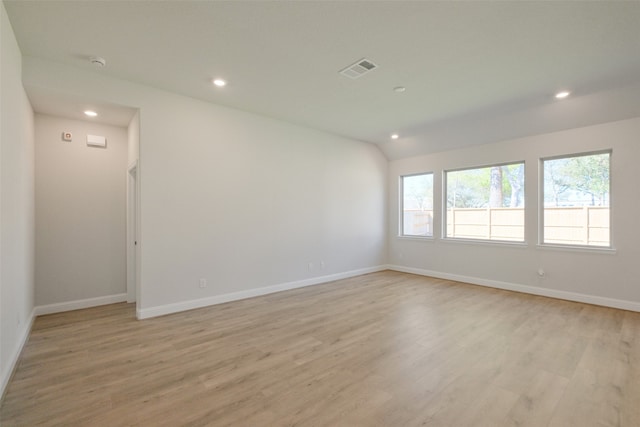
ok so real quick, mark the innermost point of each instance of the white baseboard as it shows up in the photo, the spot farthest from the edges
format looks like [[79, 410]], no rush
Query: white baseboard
[[79, 304], [546, 292], [161, 310], [49, 309], [15, 356]]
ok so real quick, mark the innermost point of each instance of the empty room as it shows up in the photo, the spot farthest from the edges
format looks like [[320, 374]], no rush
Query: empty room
[[319, 213]]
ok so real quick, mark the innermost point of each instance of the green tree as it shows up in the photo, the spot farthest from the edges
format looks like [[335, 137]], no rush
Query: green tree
[[556, 181], [418, 191], [496, 186], [572, 179], [515, 184], [590, 175], [468, 188], [495, 189]]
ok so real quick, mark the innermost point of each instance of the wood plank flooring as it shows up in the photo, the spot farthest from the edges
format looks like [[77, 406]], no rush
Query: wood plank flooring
[[383, 349]]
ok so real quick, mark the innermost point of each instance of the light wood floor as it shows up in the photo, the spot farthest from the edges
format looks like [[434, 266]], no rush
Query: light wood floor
[[384, 349]]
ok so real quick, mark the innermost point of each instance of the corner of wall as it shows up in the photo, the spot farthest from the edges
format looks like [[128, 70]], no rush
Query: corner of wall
[[9, 368], [16, 205]]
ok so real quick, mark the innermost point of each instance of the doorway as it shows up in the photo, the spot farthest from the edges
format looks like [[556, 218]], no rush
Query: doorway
[[132, 233]]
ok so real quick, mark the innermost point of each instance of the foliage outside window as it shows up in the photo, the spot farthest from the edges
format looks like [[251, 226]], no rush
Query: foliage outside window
[[486, 203], [576, 194], [417, 205]]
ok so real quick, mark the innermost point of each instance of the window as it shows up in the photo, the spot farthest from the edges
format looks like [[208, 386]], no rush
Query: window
[[417, 205], [486, 203], [576, 193]]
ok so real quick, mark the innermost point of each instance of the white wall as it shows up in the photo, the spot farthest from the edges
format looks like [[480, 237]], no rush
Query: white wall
[[133, 222], [244, 201], [517, 121], [133, 136], [247, 202], [16, 204], [80, 211], [594, 276]]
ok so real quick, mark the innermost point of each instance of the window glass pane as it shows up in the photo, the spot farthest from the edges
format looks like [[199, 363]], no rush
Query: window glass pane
[[486, 203], [576, 200], [417, 205]]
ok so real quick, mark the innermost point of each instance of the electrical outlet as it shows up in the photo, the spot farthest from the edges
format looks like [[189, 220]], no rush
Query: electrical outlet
[[310, 266], [203, 283], [321, 265]]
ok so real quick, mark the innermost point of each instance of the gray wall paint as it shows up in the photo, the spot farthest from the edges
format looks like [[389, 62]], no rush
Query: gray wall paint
[[16, 204], [80, 211]]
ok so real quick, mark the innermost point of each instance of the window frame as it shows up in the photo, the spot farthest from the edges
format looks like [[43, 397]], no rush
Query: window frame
[[541, 207], [445, 198], [401, 205]]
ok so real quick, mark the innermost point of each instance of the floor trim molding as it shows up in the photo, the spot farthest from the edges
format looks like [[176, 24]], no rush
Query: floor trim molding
[[533, 290], [15, 357], [79, 304], [162, 310]]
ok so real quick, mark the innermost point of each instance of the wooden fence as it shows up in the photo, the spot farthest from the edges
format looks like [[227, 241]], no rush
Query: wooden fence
[[587, 225], [418, 223], [486, 223]]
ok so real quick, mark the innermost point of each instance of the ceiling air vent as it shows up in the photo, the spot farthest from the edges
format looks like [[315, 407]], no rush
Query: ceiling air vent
[[358, 69]]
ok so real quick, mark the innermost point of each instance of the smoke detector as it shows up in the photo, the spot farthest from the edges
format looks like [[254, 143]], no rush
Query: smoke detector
[[97, 61], [358, 69]]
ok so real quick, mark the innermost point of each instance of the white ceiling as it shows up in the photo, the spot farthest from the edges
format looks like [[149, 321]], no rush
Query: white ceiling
[[459, 61], [48, 101]]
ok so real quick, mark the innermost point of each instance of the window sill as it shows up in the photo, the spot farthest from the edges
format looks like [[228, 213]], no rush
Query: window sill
[[583, 249], [416, 238], [479, 242]]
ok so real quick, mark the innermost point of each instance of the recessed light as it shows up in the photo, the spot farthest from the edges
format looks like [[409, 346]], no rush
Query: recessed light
[[90, 113], [395, 136], [219, 82], [399, 89], [562, 95]]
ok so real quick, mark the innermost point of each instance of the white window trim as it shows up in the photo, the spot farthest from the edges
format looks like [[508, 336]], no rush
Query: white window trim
[[416, 238], [569, 247], [577, 248], [443, 225], [401, 234], [485, 242]]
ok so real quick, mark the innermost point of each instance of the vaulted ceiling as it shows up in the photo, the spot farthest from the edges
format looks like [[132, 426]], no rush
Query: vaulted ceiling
[[472, 70]]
